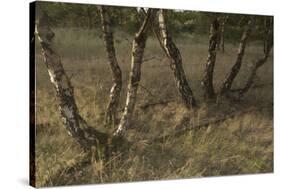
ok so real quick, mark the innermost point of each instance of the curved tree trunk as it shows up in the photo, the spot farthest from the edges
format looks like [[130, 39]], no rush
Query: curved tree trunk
[[268, 44], [135, 74], [85, 135], [227, 83], [110, 117], [207, 82], [174, 55]]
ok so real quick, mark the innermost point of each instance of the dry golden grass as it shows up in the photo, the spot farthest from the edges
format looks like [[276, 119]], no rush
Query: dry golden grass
[[242, 144]]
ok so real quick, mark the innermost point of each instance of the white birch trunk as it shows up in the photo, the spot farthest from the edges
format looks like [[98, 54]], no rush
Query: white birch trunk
[[174, 55], [77, 127], [135, 75], [207, 81]]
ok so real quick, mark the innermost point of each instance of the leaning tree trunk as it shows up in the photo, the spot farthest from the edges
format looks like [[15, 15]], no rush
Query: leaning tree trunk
[[110, 117], [135, 74], [207, 82], [227, 83], [85, 135], [268, 44], [174, 55]]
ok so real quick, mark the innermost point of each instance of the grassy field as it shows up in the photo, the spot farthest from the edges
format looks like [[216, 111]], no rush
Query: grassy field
[[242, 144]]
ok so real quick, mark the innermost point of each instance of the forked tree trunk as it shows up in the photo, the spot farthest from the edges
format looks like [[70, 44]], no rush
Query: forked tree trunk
[[110, 117], [227, 83], [135, 74], [174, 55], [85, 135], [268, 44], [207, 82]]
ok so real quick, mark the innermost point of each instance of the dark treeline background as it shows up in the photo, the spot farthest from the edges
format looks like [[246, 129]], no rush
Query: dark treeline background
[[128, 20]]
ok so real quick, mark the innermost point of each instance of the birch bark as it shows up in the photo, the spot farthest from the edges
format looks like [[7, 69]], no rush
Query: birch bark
[[207, 81], [268, 44], [135, 74], [114, 98], [227, 83], [76, 126], [175, 58]]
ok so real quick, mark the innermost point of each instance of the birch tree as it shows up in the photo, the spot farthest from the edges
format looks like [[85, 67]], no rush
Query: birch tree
[[268, 44], [175, 58], [76, 126], [114, 98], [207, 82], [135, 74], [227, 83]]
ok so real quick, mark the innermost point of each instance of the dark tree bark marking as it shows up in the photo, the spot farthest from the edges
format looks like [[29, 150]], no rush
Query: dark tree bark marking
[[174, 55], [76, 126], [207, 82]]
